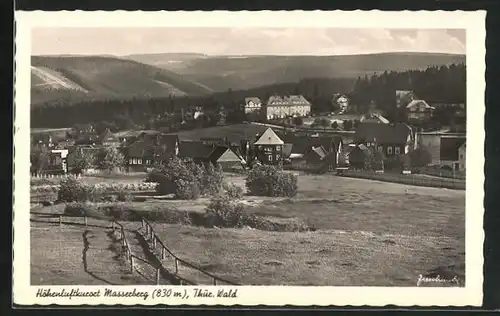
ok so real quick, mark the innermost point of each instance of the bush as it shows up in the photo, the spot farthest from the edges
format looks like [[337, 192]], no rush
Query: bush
[[124, 196], [223, 212], [232, 190], [79, 209], [74, 190], [270, 181], [187, 180]]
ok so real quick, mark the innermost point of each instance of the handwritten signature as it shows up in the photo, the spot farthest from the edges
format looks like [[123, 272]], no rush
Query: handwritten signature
[[437, 279]]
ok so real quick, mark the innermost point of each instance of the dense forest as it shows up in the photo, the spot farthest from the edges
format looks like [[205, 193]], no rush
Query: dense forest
[[445, 84]]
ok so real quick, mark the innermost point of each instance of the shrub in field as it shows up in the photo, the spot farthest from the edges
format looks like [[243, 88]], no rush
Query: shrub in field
[[124, 196], [232, 190], [222, 211], [270, 181], [83, 209], [187, 180], [74, 190]]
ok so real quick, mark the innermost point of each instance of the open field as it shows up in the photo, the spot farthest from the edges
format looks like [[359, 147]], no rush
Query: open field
[[368, 233]]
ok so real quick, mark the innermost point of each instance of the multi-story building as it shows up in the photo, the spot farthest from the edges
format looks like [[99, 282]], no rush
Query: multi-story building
[[252, 105], [278, 107]]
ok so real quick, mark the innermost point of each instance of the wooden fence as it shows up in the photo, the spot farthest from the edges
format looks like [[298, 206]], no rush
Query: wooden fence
[[410, 179], [131, 258], [156, 241]]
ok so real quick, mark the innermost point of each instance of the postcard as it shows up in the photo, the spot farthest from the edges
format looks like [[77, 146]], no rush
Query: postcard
[[249, 158]]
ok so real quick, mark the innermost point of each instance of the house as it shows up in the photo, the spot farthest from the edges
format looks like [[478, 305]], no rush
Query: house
[[268, 149], [328, 149], [461, 157], [316, 156], [419, 110], [392, 139], [144, 154], [450, 149], [356, 155], [72, 159], [441, 146], [108, 139], [279, 107], [227, 157], [341, 101], [404, 97], [252, 105]]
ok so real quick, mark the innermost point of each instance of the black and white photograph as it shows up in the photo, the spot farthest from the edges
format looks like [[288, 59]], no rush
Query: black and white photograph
[[195, 161]]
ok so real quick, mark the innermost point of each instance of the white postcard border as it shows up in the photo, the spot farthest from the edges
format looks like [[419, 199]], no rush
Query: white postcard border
[[473, 22]]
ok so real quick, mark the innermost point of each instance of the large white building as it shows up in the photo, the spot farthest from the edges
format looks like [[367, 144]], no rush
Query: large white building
[[278, 107]]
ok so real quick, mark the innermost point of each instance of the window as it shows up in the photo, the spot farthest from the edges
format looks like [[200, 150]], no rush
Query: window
[[380, 148], [461, 156], [278, 147], [270, 158], [389, 150], [139, 161], [130, 161], [397, 150]]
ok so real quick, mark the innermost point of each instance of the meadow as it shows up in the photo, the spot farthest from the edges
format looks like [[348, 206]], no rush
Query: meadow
[[364, 233]]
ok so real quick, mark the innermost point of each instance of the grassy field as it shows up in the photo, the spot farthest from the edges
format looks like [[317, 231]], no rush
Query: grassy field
[[368, 233]]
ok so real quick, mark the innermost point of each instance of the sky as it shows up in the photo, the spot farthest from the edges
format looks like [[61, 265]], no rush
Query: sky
[[244, 41]]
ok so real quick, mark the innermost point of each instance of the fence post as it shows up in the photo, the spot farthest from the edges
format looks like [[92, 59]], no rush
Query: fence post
[[131, 264], [151, 232], [215, 281], [142, 222], [113, 225], [162, 253], [157, 276], [154, 241], [123, 237], [60, 220], [85, 218], [176, 266]]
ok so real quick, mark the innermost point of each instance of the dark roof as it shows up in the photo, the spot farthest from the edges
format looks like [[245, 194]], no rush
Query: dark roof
[[383, 133], [140, 149], [195, 150], [302, 144], [449, 147]]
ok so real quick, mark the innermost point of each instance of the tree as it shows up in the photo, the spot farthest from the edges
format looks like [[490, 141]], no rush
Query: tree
[[83, 160], [335, 125], [420, 157], [374, 159], [39, 158], [325, 123], [110, 158]]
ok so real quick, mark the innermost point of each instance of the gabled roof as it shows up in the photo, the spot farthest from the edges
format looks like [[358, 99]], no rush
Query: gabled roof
[[403, 97], [383, 133], [415, 103], [302, 144], [269, 137], [195, 150], [253, 99], [224, 154], [140, 149]]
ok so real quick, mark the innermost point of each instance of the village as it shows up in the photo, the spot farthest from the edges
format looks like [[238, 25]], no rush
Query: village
[[292, 137]]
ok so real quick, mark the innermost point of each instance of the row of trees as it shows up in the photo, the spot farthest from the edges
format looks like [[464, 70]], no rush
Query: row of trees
[[444, 84]]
